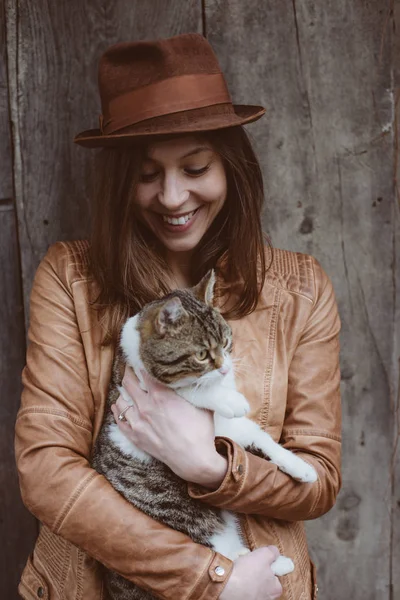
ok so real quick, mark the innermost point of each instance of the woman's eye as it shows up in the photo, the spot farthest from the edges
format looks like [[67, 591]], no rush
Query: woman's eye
[[202, 355], [197, 172], [147, 177]]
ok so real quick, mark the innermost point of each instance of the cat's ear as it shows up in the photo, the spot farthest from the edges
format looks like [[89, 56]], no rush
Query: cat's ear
[[204, 290], [169, 314]]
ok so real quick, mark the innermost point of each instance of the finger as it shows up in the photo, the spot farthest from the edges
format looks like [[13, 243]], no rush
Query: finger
[[275, 552], [131, 383], [129, 411], [129, 371], [150, 382], [124, 426], [122, 404]]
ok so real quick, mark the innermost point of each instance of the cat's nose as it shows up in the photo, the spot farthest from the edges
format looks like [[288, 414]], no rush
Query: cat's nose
[[224, 370]]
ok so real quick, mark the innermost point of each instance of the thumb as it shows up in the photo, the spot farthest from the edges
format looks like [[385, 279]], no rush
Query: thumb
[[275, 552]]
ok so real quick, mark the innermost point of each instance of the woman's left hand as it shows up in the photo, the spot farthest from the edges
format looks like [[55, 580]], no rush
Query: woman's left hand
[[170, 429]]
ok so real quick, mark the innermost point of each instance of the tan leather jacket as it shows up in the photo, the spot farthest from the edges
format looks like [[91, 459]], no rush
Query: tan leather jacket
[[289, 348]]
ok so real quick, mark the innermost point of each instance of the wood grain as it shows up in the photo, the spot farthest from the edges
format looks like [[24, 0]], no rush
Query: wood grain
[[326, 146], [18, 528], [6, 190], [394, 29], [54, 96]]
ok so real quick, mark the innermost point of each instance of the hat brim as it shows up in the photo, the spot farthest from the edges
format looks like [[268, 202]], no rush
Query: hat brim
[[93, 138]]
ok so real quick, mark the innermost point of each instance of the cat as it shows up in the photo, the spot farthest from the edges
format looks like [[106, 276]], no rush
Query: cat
[[184, 342]]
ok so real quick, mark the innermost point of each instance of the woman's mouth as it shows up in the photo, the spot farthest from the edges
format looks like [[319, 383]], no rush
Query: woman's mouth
[[182, 223]]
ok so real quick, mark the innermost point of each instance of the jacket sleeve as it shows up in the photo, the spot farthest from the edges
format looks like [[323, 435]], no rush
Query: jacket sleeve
[[53, 440], [311, 429]]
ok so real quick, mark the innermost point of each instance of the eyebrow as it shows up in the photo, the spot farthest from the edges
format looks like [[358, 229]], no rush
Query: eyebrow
[[191, 153]]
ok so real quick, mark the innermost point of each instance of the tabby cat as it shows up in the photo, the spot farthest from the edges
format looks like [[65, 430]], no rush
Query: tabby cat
[[183, 341]]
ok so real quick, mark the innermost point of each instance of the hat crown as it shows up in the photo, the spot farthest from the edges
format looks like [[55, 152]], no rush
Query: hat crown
[[163, 86], [132, 65]]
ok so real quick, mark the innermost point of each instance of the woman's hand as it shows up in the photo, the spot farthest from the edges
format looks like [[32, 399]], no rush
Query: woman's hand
[[172, 430], [252, 577]]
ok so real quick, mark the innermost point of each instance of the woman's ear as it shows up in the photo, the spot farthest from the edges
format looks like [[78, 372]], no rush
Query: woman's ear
[[204, 290]]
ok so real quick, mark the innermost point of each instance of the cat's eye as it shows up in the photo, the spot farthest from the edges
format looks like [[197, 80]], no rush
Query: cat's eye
[[202, 355]]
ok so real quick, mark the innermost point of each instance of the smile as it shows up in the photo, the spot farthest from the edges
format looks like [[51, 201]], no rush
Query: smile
[[182, 220]]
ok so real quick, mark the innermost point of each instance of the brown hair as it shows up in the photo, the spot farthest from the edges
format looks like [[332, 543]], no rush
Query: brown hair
[[127, 260]]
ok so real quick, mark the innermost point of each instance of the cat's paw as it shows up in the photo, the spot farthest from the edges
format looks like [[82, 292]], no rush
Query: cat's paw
[[282, 566], [242, 552], [304, 472], [297, 468], [234, 406]]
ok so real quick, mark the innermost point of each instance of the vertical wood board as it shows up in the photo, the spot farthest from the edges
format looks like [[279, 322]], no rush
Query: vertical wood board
[[54, 96], [5, 148], [325, 147]]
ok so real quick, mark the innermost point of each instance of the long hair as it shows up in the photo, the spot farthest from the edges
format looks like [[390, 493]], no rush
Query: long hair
[[126, 258]]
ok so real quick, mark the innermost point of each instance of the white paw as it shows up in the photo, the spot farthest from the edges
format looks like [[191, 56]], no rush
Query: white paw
[[282, 566], [242, 552], [305, 473], [236, 406], [297, 468]]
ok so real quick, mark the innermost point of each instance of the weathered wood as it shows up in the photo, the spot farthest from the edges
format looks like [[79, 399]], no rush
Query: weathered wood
[[52, 50], [18, 528], [5, 150], [394, 23], [324, 74], [54, 96]]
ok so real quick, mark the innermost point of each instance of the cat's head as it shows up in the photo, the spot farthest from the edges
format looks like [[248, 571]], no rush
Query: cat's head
[[182, 338]]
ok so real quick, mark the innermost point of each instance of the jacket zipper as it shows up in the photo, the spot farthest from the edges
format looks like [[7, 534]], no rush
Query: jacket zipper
[[241, 520]]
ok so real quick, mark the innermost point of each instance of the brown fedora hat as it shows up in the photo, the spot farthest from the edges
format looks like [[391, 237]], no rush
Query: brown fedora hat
[[165, 86]]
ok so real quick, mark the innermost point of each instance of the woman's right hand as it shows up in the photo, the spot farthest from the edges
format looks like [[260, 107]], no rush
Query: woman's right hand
[[252, 577]]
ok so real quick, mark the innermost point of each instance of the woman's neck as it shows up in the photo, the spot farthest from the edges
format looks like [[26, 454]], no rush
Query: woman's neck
[[179, 264]]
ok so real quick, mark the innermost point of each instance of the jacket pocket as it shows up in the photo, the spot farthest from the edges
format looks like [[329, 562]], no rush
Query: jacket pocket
[[33, 585], [314, 580]]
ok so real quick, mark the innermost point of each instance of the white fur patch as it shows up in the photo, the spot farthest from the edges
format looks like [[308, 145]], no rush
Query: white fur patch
[[229, 541], [126, 446]]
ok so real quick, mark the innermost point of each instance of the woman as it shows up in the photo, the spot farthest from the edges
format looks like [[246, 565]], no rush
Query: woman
[[179, 190]]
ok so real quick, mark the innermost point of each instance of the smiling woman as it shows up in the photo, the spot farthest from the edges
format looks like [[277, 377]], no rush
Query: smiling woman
[[142, 192], [182, 189], [177, 202]]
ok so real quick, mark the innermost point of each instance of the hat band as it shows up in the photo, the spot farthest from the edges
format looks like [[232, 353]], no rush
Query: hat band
[[175, 94]]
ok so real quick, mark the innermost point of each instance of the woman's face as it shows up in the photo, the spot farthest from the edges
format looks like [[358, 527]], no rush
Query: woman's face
[[181, 190]]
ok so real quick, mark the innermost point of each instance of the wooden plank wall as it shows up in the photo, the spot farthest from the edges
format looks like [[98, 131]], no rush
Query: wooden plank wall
[[18, 529], [328, 74]]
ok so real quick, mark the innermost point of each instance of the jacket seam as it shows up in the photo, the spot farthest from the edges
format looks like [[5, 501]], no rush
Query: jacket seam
[[295, 535], [314, 282], [54, 412], [264, 412], [312, 432], [74, 497], [281, 288], [278, 541], [317, 499]]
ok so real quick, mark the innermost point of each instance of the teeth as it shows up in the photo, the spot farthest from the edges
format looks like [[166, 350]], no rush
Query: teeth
[[178, 220]]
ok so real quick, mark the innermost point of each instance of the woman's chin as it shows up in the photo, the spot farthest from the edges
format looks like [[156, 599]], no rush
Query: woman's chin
[[181, 245]]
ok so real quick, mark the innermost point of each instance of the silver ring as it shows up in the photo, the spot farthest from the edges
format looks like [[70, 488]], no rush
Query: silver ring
[[121, 416]]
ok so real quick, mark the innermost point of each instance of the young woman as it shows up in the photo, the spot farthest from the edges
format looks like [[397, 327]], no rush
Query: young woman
[[178, 191]]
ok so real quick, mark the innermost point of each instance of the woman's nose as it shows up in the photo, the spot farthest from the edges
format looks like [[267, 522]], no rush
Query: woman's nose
[[173, 194]]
